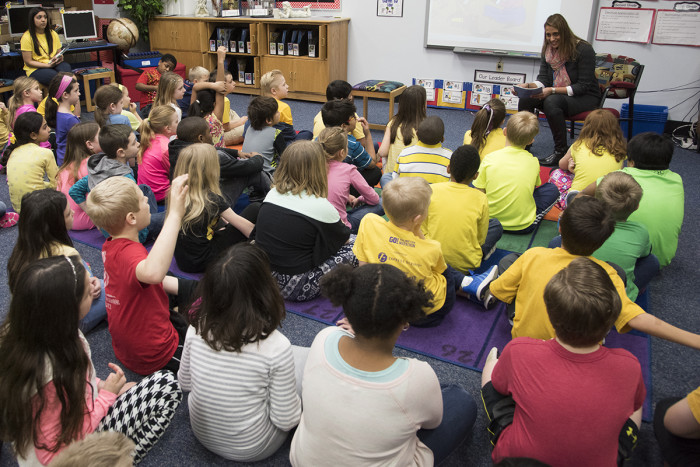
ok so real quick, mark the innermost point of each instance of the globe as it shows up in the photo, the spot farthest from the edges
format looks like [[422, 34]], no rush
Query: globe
[[123, 32]]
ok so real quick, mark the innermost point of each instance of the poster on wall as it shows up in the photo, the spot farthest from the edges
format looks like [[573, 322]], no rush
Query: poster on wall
[[677, 28], [625, 24], [316, 5], [390, 8]]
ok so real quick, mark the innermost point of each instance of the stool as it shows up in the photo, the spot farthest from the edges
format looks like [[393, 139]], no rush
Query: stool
[[87, 77], [390, 96]]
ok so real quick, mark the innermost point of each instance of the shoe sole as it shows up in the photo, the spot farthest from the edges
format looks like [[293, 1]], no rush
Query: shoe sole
[[493, 272]]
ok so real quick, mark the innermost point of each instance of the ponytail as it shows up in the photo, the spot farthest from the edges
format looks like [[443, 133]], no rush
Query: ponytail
[[489, 117], [160, 117]]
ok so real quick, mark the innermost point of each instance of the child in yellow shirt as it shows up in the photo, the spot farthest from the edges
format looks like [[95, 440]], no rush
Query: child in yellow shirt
[[273, 84]]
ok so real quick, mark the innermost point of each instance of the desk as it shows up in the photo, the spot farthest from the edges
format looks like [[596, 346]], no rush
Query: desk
[[82, 49]]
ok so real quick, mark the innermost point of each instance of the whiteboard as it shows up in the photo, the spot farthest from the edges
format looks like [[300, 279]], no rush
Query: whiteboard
[[512, 27]]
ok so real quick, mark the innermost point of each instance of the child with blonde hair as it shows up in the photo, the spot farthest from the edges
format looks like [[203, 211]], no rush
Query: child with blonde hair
[[25, 95], [342, 176], [154, 168], [82, 143], [298, 227], [400, 133], [58, 115], [600, 149], [486, 134], [170, 88], [109, 103], [273, 84], [209, 225], [130, 109]]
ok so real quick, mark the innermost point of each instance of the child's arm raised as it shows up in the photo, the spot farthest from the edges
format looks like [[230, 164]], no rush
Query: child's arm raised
[[152, 270], [656, 327], [242, 224], [219, 99]]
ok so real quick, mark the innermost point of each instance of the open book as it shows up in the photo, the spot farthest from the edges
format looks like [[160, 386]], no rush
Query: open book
[[522, 92]]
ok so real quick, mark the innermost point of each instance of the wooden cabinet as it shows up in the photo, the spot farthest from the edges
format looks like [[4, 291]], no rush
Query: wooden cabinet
[[307, 74]]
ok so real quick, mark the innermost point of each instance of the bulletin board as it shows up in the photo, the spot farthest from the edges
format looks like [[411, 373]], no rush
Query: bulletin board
[[464, 95], [677, 28]]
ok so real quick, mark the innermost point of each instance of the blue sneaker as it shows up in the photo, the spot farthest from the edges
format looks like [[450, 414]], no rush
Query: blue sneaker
[[477, 286]]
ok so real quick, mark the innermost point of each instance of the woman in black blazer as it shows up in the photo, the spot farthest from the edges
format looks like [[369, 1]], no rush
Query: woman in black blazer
[[567, 76]]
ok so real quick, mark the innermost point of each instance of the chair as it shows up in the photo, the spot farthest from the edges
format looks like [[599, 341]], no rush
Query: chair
[[93, 74], [618, 77]]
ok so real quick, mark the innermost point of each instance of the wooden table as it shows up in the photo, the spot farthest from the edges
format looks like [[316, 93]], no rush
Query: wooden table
[[390, 96]]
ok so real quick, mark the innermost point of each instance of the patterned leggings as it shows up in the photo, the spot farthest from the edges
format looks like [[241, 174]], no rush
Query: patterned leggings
[[144, 412], [305, 286]]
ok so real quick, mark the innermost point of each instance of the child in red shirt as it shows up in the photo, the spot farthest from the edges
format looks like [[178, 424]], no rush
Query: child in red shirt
[[146, 335], [147, 83]]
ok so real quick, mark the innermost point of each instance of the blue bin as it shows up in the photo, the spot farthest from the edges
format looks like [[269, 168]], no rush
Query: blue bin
[[646, 118]]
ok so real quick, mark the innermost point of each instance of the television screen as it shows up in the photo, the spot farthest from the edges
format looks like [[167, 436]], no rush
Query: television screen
[[18, 17], [79, 25]]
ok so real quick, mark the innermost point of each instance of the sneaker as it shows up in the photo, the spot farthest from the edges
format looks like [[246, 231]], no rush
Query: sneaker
[[8, 220], [489, 300], [476, 287], [551, 160]]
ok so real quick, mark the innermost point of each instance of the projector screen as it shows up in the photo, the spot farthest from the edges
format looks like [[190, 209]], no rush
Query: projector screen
[[512, 27]]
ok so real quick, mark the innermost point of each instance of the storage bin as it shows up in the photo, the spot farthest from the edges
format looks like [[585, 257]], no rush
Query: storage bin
[[646, 118]]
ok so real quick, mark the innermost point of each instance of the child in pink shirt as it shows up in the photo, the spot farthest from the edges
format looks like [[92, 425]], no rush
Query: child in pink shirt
[[154, 168], [342, 176]]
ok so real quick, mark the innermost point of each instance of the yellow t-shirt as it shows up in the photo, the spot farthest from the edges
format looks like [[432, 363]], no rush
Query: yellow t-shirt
[[319, 126], [44, 56], [285, 112], [379, 241], [27, 170], [494, 141], [694, 403], [509, 177], [395, 149], [525, 281], [458, 218], [590, 167], [41, 108], [133, 121], [4, 128], [227, 111]]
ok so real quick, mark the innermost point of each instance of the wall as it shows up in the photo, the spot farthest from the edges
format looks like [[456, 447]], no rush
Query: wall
[[392, 48]]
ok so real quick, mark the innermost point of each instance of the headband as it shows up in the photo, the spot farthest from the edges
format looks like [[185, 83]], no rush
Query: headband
[[72, 266], [488, 125], [65, 82]]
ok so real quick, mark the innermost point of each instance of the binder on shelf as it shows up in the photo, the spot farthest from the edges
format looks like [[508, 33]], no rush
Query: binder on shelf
[[301, 47], [274, 38], [282, 44], [232, 42], [213, 39], [312, 43], [249, 78], [292, 40], [243, 41]]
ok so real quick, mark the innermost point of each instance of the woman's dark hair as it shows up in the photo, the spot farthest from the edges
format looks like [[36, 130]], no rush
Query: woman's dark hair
[[376, 298], [52, 105], [40, 335], [240, 301], [412, 105], [26, 124], [204, 105], [567, 39], [47, 31], [42, 226]]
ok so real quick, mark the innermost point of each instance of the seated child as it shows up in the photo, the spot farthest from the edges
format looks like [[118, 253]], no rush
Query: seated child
[[628, 246], [384, 410], [273, 84], [486, 134], [29, 167], [237, 170], [130, 109], [337, 90], [341, 177], [66, 90], [458, 216], [400, 242], [198, 74], [427, 158], [509, 177], [154, 163], [262, 136], [342, 113], [568, 379], [234, 125], [677, 428], [258, 370], [585, 225], [109, 104], [146, 336], [400, 132], [209, 225], [120, 146], [147, 83], [662, 206]]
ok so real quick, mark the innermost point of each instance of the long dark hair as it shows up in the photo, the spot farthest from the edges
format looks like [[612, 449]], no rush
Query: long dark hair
[[567, 39], [412, 105], [240, 301], [52, 105], [204, 105], [41, 227], [490, 116], [47, 31], [40, 334], [26, 124]]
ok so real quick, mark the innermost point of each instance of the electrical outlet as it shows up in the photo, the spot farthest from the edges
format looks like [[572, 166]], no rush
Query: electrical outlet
[[499, 66]]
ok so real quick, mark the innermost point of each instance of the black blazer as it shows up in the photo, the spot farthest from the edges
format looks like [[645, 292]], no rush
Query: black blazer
[[581, 72]]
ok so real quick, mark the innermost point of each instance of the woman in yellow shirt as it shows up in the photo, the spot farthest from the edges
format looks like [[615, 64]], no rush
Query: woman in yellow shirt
[[39, 45]]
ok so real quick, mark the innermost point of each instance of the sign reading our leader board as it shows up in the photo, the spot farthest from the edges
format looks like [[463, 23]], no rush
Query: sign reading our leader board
[[498, 77]]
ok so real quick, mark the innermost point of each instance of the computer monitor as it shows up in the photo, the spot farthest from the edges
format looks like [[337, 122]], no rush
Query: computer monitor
[[79, 25], [18, 18]]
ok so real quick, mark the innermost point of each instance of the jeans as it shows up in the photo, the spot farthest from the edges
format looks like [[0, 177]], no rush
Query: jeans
[[493, 235], [97, 312], [454, 282], [458, 417], [356, 215], [157, 218], [45, 75], [545, 196], [386, 178]]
